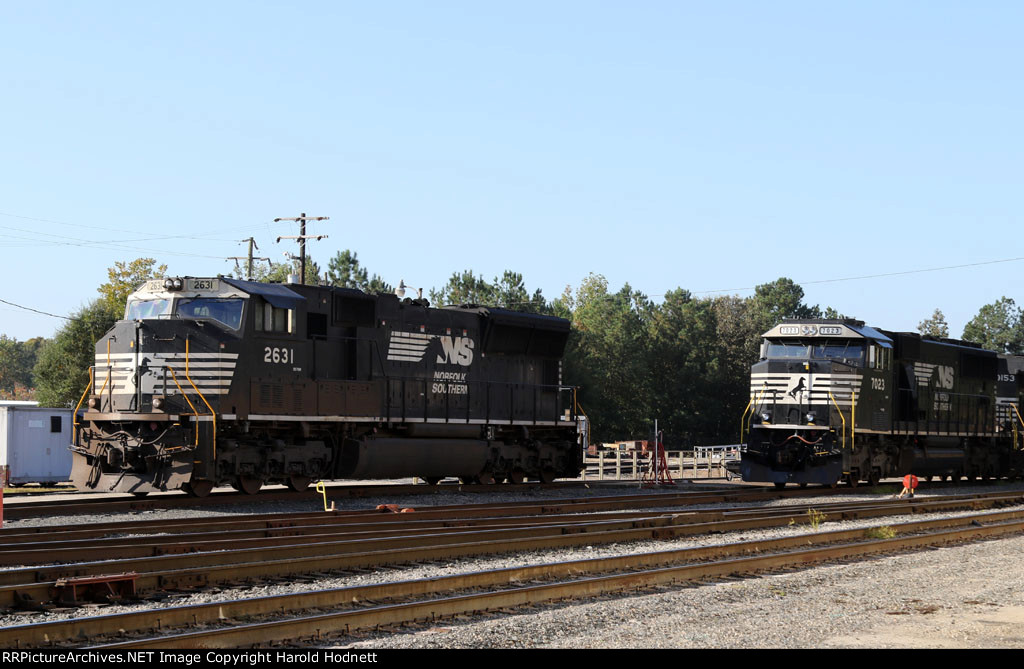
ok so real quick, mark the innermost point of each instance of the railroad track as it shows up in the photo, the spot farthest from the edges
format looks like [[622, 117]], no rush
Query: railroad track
[[287, 618], [56, 504], [52, 507], [197, 559], [46, 545]]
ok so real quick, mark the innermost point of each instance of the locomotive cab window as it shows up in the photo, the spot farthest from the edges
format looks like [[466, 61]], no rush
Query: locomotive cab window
[[226, 311], [786, 349], [879, 357], [847, 352], [141, 309], [268, 318]]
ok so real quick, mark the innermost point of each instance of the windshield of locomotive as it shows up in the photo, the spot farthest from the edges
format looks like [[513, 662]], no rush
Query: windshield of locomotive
[[787, 349], [139, 309], [848, 352], [227, 311]]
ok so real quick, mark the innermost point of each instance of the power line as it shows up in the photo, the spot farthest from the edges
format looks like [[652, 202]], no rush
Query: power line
[[870, 276], [44, 313]]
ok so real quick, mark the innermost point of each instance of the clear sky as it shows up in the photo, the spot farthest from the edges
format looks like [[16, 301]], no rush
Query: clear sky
[[711, 146]]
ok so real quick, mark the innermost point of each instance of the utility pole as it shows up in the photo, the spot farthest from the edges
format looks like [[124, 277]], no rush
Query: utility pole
[[302, 239], [249, 258]]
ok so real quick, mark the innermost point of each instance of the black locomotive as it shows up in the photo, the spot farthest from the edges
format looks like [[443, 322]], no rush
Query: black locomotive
[[210, 381], [835, 400]]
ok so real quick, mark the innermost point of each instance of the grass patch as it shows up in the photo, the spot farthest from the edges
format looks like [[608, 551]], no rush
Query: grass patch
[[884, 532]]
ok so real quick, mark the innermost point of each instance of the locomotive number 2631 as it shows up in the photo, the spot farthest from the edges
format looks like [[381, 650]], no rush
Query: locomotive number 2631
[[283, 355]]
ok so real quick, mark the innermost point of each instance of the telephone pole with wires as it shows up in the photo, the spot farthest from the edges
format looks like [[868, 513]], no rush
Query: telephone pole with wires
[[249, 258], [302, 237]]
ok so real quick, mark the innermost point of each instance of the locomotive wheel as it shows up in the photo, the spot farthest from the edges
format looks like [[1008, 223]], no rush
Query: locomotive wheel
[[142, 494], [802, 485], [517, 476], [486, 478], [250, 485], [852, 480], [198, 488], [874, 477], [547, 475], [298, 483], [780, 484], [431, 480], [468, 480]]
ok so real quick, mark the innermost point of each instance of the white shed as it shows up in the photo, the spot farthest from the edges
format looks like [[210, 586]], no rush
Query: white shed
[[34, 442]]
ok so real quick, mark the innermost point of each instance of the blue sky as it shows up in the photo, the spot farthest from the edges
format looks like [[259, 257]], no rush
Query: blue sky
[[709, 146]]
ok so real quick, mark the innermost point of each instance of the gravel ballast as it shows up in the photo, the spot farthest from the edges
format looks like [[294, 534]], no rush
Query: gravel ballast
[[961, 596]]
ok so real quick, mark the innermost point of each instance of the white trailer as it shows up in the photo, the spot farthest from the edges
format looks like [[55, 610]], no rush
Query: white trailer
[[34, 443]]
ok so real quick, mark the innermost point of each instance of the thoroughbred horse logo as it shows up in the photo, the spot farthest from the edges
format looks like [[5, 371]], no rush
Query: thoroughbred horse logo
[[799, 388]]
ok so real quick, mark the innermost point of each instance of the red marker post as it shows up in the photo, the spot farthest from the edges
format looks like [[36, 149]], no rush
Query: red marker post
[[909, 485]]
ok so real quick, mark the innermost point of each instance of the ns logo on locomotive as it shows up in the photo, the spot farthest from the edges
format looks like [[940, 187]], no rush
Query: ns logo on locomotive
[[834, 400], [222, 381]]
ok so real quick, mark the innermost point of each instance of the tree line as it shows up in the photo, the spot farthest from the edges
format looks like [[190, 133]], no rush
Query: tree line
[[684, 361]]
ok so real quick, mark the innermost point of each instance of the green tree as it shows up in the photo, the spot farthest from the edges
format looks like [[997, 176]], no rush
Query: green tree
[[777, 300], [464, 288], [998, 326], [125, 279], [935, 326], [279, 272], [607, 358], [510, 292], [684, 368], [507, 291], [15, 365], [739, 344], [345, 271], [62, 370]]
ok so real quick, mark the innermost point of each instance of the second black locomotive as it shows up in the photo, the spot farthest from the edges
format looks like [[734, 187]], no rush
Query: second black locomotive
[[836, 400]]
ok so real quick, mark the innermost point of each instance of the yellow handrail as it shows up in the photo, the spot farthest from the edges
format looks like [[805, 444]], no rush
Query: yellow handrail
[[750, 405], [74, 418], [743, 418], [853, 419], [1015, 425], [212, 413], [174, 377], [841, 417]]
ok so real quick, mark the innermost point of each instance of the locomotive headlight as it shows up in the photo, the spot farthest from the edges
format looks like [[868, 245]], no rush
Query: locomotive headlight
[[766, 416], [94, 402], [173, 284], [810, 416], [158, 403]]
